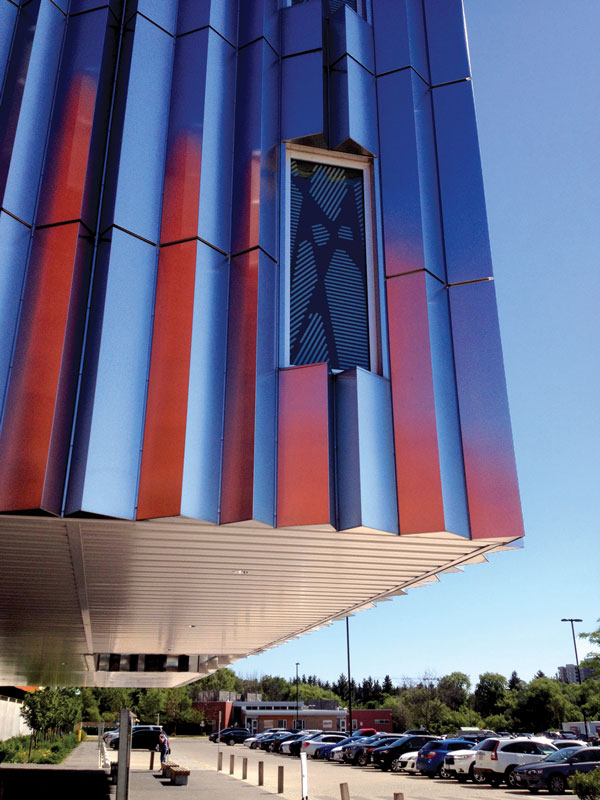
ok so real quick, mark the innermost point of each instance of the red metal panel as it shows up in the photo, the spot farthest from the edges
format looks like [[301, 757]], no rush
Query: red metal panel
[[36, 431], [420, 503], [66, 164], [303, 463], [182, 188], [238, 444], [166, 408], [490, 469]]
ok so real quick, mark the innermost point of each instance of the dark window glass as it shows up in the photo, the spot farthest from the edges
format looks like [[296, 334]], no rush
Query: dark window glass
[[488, 745], [328, 282]]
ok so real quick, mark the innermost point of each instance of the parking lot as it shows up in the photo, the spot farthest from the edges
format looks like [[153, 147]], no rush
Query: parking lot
[[324, 778]]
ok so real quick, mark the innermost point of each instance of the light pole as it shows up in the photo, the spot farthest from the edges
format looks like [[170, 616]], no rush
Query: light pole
[[297, 721], [572, 620], [349, 677]]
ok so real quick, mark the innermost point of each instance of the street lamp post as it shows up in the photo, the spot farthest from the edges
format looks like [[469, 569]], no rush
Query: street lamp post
[[297, 720], [349, 677], [572, 620]]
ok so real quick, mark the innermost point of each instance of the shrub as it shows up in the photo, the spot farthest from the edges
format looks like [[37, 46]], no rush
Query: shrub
[[586, 785], [16, 750]]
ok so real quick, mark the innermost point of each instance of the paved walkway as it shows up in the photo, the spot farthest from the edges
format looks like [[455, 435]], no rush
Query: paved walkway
[[79, 778]]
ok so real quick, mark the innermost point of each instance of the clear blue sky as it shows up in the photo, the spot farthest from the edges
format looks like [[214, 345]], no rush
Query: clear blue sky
[[535, 72]]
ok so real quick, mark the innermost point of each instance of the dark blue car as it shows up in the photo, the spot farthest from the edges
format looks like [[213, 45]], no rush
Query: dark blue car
[[430, 760], [553, 772], [324, 750]]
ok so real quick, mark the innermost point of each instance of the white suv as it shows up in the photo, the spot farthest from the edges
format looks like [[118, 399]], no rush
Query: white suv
[[461, 764], [496, 759]]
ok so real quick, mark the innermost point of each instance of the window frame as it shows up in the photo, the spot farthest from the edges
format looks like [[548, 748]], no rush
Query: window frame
[[343, 160]]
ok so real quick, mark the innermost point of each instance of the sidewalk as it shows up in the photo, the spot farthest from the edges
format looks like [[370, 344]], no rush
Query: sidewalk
[[79, 777]]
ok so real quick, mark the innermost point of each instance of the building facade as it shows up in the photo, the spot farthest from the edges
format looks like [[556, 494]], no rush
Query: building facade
[[250, 362]]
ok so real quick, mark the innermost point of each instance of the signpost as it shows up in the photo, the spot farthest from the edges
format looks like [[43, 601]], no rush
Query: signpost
[[125, 726]]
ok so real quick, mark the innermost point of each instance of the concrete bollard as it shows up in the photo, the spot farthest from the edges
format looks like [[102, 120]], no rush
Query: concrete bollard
[[261, 773], [398, 796], [151, 767], [231, 764], [280, 780], [220, 762], [244, 768], [345, 794]]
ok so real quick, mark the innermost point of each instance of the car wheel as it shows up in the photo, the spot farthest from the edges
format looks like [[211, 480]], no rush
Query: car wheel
[[476, 777], [253, 746], [396, 765], [511, 778], [230, 741], [557, 784], [362, 760], [443, 773]]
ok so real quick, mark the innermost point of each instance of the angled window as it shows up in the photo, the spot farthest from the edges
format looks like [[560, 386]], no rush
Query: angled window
[[330, 289]]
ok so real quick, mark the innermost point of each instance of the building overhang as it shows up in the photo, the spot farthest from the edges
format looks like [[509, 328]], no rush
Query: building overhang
[[74, 589]]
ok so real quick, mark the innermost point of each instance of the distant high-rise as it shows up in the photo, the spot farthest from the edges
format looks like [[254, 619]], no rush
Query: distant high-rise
[[250, 365]]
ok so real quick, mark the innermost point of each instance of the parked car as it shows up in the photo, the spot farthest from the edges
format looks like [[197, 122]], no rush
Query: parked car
[[562, 743], [254, 741], [324, 750], [108, 737], [364, 732], [292, 747], [276, 743], [461, 763], [140, 740], [552, 773], [337, 753], [497, 759], [430, 760], [359, 752], [383, 757], [407, 762], [230, 736], [309, 746], [267, 741]]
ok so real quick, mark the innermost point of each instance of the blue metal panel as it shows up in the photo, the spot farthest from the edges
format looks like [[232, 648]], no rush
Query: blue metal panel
[[161, 12], [78, 6], [302, 96], [204, 432], [301, 28], [20, 191], [62, 4], [8, 16], [353, 108], [137, 150], [13, 259], [452, 468], [214, 222], [365, 452], [399, 28], [446, 41], [257, 137], [461, 183], [266, 393], [106, 453], [410, 205], [379, 266], [257, 19], [219, 14], [350, 35]]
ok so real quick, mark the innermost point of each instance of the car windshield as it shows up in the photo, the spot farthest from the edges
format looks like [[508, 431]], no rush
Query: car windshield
[[561, 755]]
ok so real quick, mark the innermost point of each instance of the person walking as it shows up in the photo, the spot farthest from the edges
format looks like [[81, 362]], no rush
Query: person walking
[[163, 747]]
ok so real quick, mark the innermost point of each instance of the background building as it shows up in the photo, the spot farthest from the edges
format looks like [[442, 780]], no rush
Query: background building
[[250, 368], [572, 673]]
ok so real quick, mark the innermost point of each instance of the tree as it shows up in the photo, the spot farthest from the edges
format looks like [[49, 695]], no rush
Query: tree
[[540, 705], [490, 694], [223, 680], [151, 703], [514, 681], [453, 690], [592, 660], [387, 687]]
